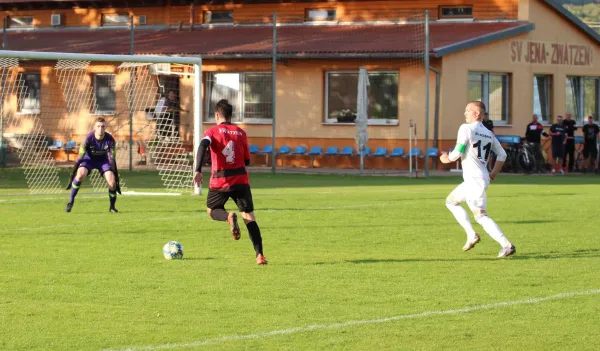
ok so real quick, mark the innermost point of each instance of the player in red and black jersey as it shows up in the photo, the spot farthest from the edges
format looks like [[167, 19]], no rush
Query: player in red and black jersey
[[229, 155]]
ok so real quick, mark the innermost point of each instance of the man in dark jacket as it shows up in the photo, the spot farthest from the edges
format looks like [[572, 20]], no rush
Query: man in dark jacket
[[569, 124], [533, 134]]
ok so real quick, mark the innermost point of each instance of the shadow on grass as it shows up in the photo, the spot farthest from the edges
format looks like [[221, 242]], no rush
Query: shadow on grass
[[585, 253]]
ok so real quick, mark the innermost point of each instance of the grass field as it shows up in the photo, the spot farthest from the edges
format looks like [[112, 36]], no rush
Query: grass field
[[371, 263]]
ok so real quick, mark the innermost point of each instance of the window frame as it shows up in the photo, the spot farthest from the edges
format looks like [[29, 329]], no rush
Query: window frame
[[485, 92], [370, 121], [103, 22], [307, 17], [20, 109], [441, 16], [11, 24], [96, 111], [209, 118], [580, 115], [207, 17], [550, 94]]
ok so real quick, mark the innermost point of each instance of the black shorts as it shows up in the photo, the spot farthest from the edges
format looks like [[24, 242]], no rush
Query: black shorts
[[242, 197], [590, 150], [558, 151]]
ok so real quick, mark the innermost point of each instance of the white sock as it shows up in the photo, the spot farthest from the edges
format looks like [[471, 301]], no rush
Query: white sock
[[462, 217], [493, 230]]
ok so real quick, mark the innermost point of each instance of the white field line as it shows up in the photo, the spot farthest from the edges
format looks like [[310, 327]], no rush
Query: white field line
[[316, 327]]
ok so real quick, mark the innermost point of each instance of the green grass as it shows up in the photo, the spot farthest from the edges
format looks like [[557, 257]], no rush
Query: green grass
[[340, 249]]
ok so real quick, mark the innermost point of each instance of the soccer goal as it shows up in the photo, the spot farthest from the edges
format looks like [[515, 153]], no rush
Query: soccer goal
[[151, 105]]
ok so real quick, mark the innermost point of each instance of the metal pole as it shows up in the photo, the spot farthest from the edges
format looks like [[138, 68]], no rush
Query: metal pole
[[131, 95], [274, 93], [436, 113], [2, 148], [4, 37], [426, 57], [197, 98]]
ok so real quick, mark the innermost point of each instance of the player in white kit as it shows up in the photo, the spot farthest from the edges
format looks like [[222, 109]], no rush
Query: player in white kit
[[473, 146]]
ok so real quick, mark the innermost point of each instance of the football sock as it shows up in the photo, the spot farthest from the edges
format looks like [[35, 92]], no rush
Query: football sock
[[219, 215], [254, 233], [74, 189], [112, 195], [492, 229], [462, 217]]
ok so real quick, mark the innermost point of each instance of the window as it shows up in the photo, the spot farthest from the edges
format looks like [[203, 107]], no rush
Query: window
[[20, 22], [319, 15], [493, 90], [250, 93], [583, 97], [29, 93], [115, 19], [218, 17], [341, 95], [459, 12], [104, 94], [542, 95]]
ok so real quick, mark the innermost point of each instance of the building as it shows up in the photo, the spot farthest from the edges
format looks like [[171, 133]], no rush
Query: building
[[518, 56]]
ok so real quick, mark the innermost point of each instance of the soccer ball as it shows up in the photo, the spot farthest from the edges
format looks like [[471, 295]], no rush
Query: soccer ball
[[173, 250]]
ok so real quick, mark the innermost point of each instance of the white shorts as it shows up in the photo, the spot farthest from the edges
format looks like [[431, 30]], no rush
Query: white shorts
[[473, 192]]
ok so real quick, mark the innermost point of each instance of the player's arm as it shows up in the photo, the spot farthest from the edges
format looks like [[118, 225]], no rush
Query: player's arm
[[200, 155], [500, 158], [459, 149], [246, 151]]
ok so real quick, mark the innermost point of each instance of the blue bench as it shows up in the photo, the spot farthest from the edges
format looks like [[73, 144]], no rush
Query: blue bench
[[380, 152], [331, 151], [346, 151], [397, 152]]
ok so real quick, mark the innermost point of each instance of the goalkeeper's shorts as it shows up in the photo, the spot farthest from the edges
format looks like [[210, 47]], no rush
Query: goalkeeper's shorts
[[102, 165]]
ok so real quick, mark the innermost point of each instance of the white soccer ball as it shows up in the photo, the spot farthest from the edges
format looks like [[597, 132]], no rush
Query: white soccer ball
[[173, 250]]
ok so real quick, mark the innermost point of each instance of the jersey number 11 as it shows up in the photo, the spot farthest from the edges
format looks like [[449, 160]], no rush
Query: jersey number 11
[[487, 148]]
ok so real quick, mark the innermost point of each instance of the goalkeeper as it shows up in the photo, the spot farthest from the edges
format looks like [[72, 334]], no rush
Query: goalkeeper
[[98, 151]]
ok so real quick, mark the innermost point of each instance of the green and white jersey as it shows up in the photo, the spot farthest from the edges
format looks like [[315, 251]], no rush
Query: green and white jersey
[[475, 144]]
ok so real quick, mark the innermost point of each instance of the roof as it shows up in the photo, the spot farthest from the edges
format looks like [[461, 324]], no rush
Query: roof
[[351, 41], [573, 19]]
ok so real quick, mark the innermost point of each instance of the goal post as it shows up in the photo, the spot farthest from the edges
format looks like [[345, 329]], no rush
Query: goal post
[[49, 101]]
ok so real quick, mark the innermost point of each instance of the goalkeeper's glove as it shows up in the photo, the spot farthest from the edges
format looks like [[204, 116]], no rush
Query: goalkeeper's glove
[[113, 168]]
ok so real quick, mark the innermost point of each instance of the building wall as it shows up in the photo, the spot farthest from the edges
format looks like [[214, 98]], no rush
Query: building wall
[[551, 29], [287, 12]]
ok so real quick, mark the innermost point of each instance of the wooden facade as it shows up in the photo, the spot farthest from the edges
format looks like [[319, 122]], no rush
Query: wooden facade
[[295, 12]]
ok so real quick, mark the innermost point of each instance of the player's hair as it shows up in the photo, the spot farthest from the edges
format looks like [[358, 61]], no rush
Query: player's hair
[[224, 108], [100, 119], [480, 105]]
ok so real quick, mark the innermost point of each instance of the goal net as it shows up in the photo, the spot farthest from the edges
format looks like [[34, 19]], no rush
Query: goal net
[[50, 101]]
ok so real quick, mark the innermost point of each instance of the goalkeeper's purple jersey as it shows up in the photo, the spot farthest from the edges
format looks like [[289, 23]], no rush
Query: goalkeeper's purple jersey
[[98, 150]]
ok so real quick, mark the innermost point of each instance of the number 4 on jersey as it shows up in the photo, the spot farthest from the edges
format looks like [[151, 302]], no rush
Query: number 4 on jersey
[[487, 148], [229, 152]]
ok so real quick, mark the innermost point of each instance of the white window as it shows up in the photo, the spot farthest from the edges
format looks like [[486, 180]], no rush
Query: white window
[[250, 94], [341, 89], [29, 93], [218, 17], [542, 95], [320, 15], [493, 90], [583, 97], [20, 22], [115, 19], [104, 94]]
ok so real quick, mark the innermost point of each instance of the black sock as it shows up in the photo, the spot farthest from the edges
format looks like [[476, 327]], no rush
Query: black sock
[[112, 195], [255, 237], [219, 215]]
